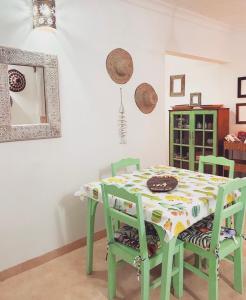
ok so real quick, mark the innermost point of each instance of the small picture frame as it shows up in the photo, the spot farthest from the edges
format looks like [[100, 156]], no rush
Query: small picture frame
[[241, 113], [241, 87], [195, 99], [177, 86]]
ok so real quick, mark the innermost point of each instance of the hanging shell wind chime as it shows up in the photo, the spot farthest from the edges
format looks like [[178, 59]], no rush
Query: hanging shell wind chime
[[120, 69], [122, 121]]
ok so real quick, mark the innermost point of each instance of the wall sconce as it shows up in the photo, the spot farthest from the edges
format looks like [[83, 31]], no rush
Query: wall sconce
[[44, 13]]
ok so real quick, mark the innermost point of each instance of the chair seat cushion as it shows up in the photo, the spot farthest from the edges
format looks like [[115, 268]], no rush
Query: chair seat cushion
[[201, 232], [128, 236]]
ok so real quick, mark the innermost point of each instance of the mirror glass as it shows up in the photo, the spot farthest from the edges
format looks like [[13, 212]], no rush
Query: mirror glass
[[242, 114], [27, 94], [177, 86]]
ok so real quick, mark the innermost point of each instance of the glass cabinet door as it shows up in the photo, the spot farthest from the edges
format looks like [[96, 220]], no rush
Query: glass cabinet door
[[204, 137], [180, 141]]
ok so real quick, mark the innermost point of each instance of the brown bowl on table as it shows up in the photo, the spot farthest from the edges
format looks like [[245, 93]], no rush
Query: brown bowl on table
[[163, 183]]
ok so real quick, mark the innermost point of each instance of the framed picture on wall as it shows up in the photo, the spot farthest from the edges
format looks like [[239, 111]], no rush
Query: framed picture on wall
[[241, 113], [241, 87], [196, 99], [177, 85]]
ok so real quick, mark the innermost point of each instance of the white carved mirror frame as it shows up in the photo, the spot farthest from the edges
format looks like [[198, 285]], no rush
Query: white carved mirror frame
[[52, 129]]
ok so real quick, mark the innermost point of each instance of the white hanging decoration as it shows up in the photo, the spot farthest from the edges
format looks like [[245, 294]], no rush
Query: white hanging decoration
[[122, 121]]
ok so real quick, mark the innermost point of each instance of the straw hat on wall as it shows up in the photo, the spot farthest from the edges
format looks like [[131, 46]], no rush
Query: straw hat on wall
[[146, 98], [119, 66]]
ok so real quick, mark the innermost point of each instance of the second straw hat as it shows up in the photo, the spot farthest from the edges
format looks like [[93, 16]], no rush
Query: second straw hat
[[146, 98]]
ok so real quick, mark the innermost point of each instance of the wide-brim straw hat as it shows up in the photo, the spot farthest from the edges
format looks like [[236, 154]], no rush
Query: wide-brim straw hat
[[119, 66], [146, 98]]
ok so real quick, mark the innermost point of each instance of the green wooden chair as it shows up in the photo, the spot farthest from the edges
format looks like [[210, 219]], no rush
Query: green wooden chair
[[124, 163], [216, 161], [219, 243], [138, 256]]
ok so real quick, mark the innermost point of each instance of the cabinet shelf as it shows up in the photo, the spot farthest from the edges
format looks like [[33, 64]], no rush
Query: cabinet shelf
[[183, 129], [202, 146], [183, 145], [180, 159], [204, 130]]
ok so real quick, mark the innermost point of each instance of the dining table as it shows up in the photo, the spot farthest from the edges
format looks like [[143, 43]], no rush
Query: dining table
[[193, 199]]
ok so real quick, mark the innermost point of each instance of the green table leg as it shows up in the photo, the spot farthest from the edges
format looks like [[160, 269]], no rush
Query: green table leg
[[167, 266], [178, 279], [90, 220]]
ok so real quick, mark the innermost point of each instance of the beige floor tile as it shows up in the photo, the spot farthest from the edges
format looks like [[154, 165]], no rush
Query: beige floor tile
[[64, 279]]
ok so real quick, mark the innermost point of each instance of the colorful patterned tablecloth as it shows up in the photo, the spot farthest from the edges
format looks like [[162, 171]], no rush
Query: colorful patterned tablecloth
[[193, 199]]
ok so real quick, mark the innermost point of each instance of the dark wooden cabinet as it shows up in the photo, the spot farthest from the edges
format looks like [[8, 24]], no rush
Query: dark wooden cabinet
[[232, 151]]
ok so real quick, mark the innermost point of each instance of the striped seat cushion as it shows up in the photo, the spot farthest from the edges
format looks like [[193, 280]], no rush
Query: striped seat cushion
[[128, 236], [201, 232]]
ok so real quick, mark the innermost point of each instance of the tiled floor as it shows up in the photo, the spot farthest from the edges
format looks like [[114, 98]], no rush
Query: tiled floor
[[64, 279]]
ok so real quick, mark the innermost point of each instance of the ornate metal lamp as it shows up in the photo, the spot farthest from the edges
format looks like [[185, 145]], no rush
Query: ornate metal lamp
[[44, 13]]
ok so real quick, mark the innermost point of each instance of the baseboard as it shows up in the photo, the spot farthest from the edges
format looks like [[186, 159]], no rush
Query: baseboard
[[37, 261]]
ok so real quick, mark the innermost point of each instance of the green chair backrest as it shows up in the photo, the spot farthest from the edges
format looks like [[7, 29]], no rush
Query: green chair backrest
[[236, 209], [219, 161], [124, 163], [112, 214]]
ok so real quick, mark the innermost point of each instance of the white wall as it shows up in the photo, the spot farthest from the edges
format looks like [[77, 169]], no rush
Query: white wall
[[38, 212]]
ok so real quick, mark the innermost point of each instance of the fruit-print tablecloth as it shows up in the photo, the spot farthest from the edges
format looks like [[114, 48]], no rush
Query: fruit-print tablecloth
[[193, 199]]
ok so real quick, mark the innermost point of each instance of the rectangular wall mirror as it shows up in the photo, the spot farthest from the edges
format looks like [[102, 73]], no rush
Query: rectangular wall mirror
[[177, 85], [29, 95], [241, 113]]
